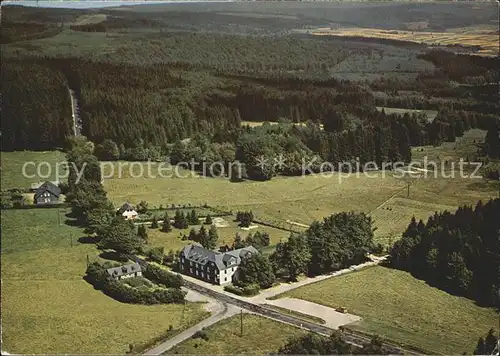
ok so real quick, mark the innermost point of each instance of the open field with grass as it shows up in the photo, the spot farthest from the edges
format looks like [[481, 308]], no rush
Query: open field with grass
[[465, 147], [12, 167], [431, 193], [484, 37], [301, 199], [48, 308], [430, 114], [260, 123], [260, 336], [402, 308], [393, 217], [173, 241]]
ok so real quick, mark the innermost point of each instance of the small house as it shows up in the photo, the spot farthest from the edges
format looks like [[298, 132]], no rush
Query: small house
[[47, 193], [125, 271], [127, 210]]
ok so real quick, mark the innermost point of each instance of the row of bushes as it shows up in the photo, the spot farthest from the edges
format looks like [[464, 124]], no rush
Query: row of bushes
[[143, 295], [160, 276], [247, 291]]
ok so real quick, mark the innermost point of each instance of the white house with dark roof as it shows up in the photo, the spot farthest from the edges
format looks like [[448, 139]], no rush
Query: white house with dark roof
[[127, 210], [125, 271], [212, 266]]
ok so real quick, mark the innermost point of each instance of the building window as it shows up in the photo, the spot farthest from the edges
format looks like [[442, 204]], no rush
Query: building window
[[225, 279]]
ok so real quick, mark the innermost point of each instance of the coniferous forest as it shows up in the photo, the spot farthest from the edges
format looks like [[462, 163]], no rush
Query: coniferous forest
[[457, 252]]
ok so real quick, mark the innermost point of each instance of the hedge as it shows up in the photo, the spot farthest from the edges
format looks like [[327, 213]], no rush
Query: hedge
[[160, 276], [97, 276], [247, 291]]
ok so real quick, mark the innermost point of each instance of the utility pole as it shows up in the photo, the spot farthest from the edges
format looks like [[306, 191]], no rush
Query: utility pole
[[183, 311], [241, 322], [408, 192]]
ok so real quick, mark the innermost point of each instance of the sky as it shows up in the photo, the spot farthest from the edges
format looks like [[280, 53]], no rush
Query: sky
[[85, 4]]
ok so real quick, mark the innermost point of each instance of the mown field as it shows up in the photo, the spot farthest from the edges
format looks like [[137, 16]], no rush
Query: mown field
[[173, 241], [301, 199], [260, 336], [48, 308], [12, 164], [402, 308], [485, 39], [430, 114]]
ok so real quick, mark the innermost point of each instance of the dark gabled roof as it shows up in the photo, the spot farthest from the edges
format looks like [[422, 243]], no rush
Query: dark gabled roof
[[124, 270], [201, 255], [35, 186], [48, 187], [125, 207]]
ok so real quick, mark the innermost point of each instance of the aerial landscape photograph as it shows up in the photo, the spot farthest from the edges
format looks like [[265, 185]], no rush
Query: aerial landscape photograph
[[251, 177]]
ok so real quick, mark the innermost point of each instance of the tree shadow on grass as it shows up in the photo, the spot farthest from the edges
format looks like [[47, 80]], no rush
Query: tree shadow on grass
[[72, 222], [113, 256], [88, 239]]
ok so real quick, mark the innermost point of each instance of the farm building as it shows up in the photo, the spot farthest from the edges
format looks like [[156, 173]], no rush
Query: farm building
[[47, 193], [125, 271], [212, 266], [127, 210]]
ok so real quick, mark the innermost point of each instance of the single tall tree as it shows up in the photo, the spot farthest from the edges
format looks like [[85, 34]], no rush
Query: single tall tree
[[154, 223], [213, 237], [120, 236], [166, 227]]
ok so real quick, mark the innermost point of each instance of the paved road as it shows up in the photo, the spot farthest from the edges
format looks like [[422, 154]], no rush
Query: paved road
[[252, 306], [220, 311], [77, 121], [351, 337]]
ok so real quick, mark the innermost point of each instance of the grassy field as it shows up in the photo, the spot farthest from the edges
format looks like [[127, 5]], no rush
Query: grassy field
[[464, 147], [260, 336], [301, 199], [48, 308], [397, 306], [430, 114], [172, 240], [12, 168], [486, 38], [430, 194]]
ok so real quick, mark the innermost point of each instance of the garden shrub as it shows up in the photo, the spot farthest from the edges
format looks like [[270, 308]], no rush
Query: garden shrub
[[160, 276]]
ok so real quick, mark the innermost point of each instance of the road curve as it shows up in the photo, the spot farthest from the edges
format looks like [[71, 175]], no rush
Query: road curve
[[351, 337], [221, 313]]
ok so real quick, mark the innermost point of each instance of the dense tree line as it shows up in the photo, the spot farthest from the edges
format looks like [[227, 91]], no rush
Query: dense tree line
[[492, 141], [339, 241], [35, 107], [313, 344], [454, 251], [23, 31], [486, 344], [478, 69], [86, 194]]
